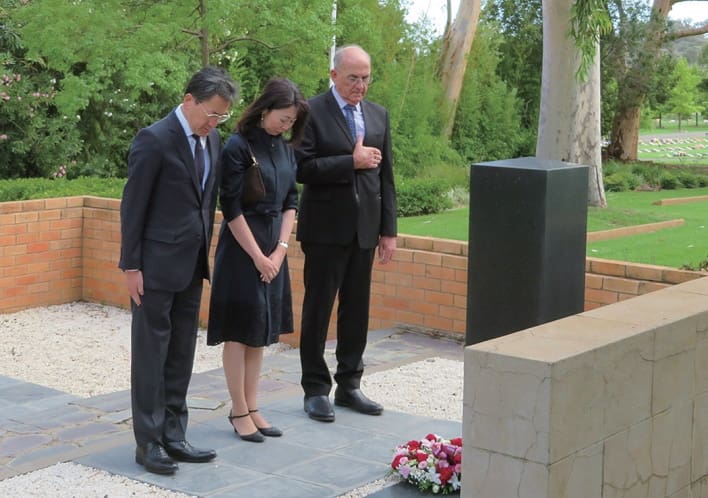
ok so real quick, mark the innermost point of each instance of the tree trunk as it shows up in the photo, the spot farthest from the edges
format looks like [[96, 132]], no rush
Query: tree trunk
[[453, 61], [625, 128], [203, 34], [624, 141], [569, 120]]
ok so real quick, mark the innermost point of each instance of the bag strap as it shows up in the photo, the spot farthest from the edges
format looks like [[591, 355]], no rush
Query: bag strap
[[254, 162]]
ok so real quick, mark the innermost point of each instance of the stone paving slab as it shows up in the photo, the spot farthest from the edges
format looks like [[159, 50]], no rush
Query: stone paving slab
[[40, 426], [403, 490], [312, 459]]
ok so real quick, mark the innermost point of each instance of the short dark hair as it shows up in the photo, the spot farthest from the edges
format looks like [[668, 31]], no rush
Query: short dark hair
[[210, 81], [278, 93]]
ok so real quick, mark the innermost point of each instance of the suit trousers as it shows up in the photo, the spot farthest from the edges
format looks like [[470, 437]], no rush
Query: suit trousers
[[331, 270], [163, 341]]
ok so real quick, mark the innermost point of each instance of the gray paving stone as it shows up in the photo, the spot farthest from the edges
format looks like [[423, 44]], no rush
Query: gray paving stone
[[87, 431], [403, 490], [269, 386], [52, 403], [434, 344], [21, 445], [69, 415], [43, 454], [26, 392], [218, 393], [116, 417], [6, 472], [203, 403], [376, 448], [8, 381], [207, 381], [379, 334], [271, 456], [325, 436], [276, 487], [292, 378], [281, 363], [119, 460], [17, 426], [204, 479], [337, 471], [112, 402]]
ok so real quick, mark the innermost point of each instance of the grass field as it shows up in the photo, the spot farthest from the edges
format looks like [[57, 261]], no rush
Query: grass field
[[674, 247]]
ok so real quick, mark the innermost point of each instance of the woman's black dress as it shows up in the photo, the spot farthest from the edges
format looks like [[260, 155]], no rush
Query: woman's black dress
[[243, 308]]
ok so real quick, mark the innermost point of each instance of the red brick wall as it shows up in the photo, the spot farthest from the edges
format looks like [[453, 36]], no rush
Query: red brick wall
[[56, 251], [41, 259]]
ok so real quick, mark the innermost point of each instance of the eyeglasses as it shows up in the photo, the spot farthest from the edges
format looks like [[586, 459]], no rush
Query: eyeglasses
[[364, 80], [220, 118]]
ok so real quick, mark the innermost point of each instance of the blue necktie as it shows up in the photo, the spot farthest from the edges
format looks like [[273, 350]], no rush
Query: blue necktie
[[349, 115], [199, 160]]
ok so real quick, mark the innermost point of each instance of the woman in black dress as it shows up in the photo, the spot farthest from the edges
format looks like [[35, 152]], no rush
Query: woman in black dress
[[251, 302]]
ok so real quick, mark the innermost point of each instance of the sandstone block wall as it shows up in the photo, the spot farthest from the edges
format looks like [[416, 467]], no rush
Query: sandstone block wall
[[612, 402]]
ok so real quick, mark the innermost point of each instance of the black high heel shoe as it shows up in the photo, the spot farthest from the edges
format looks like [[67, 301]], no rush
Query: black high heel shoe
[[255, 437], [271, 431]]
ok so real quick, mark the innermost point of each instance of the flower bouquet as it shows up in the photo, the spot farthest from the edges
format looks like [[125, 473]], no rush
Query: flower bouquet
[[432, 464]]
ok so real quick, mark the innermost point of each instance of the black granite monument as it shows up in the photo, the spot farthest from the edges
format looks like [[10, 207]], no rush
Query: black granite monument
[[527, 233]]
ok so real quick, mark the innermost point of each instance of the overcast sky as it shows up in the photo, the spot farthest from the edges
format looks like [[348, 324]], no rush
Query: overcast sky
[[697, 11]]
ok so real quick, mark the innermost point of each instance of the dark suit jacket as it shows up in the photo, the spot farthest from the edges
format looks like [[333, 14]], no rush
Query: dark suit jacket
[[166, 219], [339, 202]]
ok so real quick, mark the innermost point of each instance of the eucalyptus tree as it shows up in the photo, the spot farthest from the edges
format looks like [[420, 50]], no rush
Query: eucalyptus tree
[[457, 42], [569, 120], [638, 65]]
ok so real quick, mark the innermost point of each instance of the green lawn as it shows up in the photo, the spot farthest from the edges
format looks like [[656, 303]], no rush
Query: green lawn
[[675, 247]]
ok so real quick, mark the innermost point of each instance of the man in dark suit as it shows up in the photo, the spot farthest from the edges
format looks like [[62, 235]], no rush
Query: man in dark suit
[[167, 217], [347, 210]]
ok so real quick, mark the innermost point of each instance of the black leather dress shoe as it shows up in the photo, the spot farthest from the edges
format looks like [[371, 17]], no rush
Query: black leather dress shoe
[[155, 459], [319, 408], [355, 399], [185, 452]]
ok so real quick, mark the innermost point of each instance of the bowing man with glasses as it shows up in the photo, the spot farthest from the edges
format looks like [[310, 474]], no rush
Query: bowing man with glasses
[[167, 217], [347, 212]]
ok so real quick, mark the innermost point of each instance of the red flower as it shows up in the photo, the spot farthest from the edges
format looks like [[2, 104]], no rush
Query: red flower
[[457, 441], [421, 456], [413, 445], [431, 437], [446, 475], [396, 461], [457, 458]]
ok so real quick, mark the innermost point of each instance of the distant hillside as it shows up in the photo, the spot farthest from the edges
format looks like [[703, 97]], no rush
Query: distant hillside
[[690, 47]]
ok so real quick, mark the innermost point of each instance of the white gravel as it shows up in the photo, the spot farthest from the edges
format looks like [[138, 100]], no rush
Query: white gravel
[[34, 345]]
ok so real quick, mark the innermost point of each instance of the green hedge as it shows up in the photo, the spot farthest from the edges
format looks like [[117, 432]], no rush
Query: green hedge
[[41, 188], [414, 196], [620, 177], [417, 196]]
